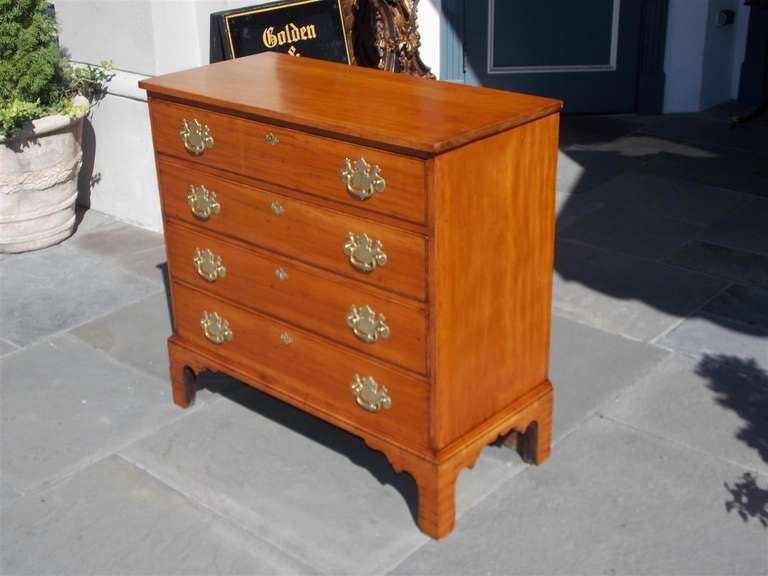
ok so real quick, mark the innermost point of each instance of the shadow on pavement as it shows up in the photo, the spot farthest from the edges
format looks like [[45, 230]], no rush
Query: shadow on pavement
[[741, 385]]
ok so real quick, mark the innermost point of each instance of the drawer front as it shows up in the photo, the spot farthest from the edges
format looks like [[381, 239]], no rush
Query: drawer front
[[294, 159], [301, 295], [308, 367], [298, 229]]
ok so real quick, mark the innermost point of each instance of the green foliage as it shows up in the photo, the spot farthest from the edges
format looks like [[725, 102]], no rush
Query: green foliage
[[35, 80]]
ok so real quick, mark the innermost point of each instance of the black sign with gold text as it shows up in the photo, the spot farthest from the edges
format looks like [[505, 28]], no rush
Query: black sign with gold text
[[312, 28]]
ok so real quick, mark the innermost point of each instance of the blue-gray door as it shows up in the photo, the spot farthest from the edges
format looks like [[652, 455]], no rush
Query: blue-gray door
[[583, 52]]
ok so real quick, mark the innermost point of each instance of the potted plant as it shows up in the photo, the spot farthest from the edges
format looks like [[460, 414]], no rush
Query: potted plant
[[43, 100]]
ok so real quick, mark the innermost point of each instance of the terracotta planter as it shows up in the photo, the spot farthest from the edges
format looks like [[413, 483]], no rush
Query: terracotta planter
[[38, 182]]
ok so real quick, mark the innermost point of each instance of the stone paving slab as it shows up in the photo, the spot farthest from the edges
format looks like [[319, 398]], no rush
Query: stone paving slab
[[299, 483], [648, 215], [88, 220], [708, 335], [634, 146], [115, 241], [717, 404], [52, 290], [151, 264], [697, 128], [580, 171], [747, 305], [589, 368], [745, 229], [113, 518], [635, 298], [66, 404], [593, 158], [135, 334], [129, 247], [7, 347], [668, 197], [570, 208], [597, 129], [633, 231], [714, 166], [724, 262], [7, 494], [609, 501]]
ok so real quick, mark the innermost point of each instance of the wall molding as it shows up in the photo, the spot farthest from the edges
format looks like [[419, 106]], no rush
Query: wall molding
[[452, 40], [753, 84], [125, 84], [651, 76], [607, 66], [653, 38]]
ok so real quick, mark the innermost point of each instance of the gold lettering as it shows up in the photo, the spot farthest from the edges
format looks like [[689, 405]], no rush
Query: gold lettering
[[290, 34], [293, 32], [269, 39]]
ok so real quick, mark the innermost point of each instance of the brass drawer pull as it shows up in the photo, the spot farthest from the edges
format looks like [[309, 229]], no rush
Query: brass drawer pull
[[361, 178], [215, 328], [276, 208], [364, 254], [281, 274], [366, 324], [286, 338], [195, 136], [202, 202], [209, 266], [271, 139], [369, 395]]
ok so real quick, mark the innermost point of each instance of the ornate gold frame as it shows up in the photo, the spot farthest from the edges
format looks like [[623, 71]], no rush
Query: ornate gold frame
[[384, 34]]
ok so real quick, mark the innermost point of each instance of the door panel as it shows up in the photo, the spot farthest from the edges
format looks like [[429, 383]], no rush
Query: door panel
[[585, 53]]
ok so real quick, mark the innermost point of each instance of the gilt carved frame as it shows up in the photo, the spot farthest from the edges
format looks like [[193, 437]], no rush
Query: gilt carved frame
[[384, 34]]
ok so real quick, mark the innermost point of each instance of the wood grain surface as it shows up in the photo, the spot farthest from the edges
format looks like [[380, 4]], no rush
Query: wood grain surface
[[466, 220], [309, 368], [310, 164], [385, 110], [307, 297], [304, 231], [491, 290]]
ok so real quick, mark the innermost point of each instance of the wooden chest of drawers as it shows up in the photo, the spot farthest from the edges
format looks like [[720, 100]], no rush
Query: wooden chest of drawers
[[371, 248]]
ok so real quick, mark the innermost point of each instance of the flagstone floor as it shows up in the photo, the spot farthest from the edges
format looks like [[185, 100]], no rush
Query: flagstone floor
[[659, 360]]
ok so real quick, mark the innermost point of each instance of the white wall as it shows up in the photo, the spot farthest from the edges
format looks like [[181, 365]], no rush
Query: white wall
[[142, 38], [686, 32], [702, 61], [429, 28]]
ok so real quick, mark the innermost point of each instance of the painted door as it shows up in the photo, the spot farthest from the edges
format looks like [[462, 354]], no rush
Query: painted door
[[584, 53]]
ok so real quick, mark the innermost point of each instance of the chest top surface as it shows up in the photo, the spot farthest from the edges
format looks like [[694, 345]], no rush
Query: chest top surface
[[418, 116]]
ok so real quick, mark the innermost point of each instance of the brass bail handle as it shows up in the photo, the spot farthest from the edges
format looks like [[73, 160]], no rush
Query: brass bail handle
[[202, 202], [369, 395], [362, 179], [366, 324], [364, 253], [209, 266], [215, 328], [195, 136]]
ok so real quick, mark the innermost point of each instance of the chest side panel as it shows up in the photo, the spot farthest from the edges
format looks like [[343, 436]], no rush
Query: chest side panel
[[491, 274]]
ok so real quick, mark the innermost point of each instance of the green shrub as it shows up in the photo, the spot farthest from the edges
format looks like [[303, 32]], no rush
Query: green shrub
[[35, 79]]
